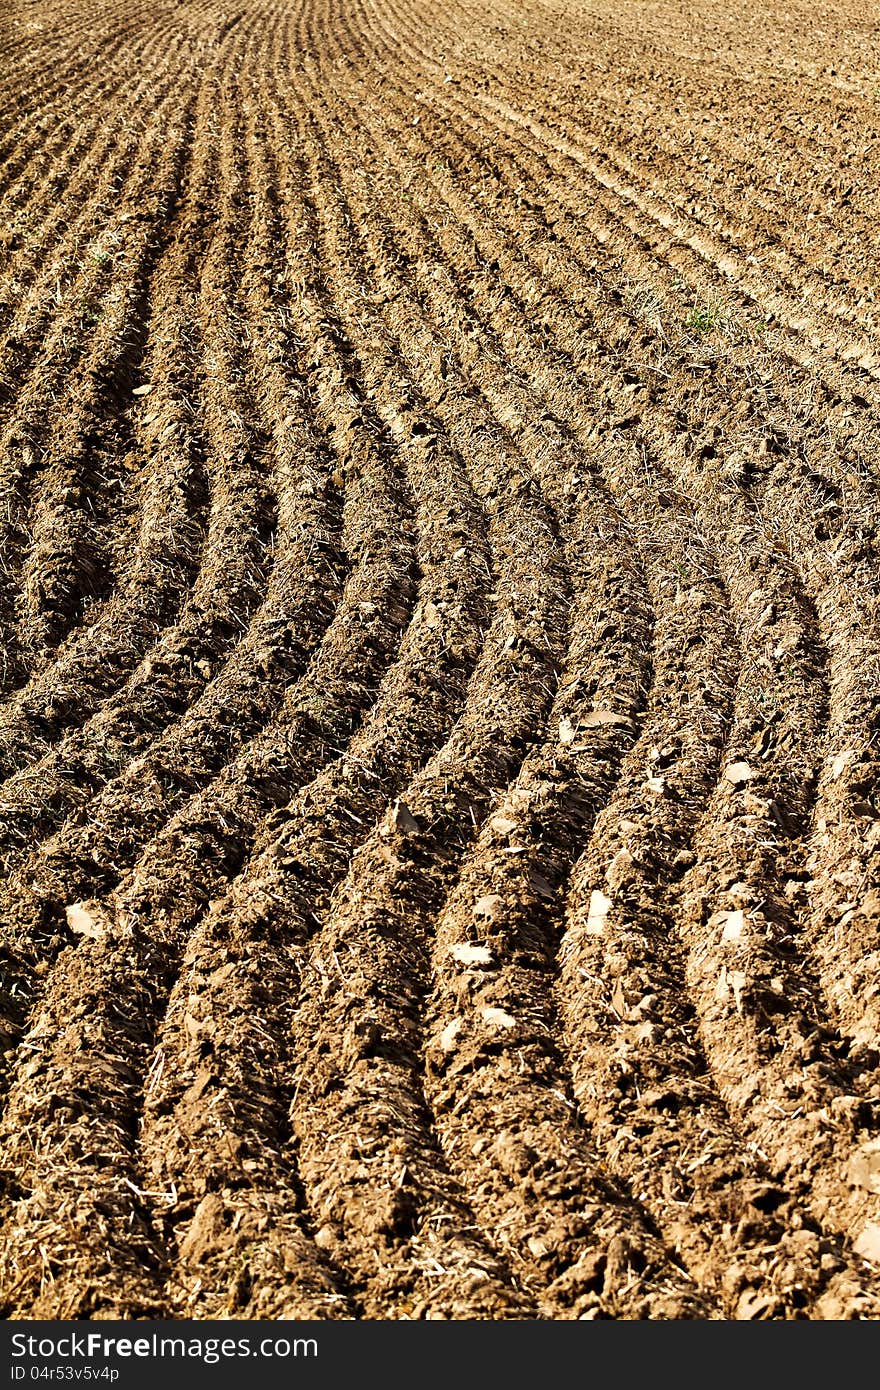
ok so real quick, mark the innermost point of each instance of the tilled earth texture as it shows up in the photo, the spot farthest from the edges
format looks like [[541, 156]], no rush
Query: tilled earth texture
[[441, 659]]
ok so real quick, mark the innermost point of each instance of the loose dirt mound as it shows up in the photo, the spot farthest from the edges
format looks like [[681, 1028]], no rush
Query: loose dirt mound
[[440, 609]]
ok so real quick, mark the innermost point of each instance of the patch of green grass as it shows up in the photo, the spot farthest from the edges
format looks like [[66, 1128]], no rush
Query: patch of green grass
[[702, 318]]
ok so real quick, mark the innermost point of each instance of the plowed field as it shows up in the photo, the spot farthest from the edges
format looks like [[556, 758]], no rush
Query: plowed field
[[440, 615]]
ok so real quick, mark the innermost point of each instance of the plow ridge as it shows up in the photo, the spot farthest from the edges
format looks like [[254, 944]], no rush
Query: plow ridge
[[440, 639]]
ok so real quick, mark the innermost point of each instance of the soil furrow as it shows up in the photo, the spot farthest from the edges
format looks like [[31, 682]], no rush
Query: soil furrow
[[613, 153], [439, 613], [794, 695]]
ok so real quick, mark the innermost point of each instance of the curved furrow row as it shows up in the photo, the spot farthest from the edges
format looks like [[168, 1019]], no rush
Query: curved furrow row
[[208, 839], [740, 465], [271, 910], [98, 68], [376, 541], [54, 71], [172, 478], [659, 304], [562, 151], [722, 279], [69, 689], [83, 225], [499, 904], [772, 444], [588, 1254], [462, 1112], [33, 187], [784, 637], [72, 473], [175, 476], [78, 514], [840, 914], [411, 715], [84, 31], [109, 49], [496, 1079], [798, 170], [791, 695], [439, 608], [845, 587], [297, 541], [172, 437], [273, 906], [93, 848], [617, 137], [642, 1082], [438, 616], [725, 266], [836, 904], [363, 221], [618, 126], [240, 545]]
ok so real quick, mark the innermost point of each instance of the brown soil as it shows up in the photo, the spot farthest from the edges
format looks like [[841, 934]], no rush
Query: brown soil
[[440, 616]]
